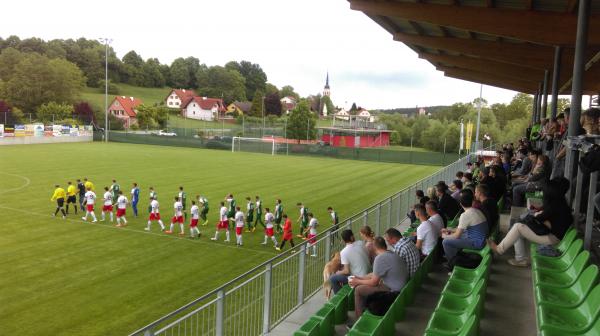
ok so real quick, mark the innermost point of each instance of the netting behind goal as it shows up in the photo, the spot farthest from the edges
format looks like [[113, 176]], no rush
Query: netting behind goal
[[255, 145]]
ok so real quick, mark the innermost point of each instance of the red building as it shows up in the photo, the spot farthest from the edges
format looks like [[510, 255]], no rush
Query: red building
[[341, 137]]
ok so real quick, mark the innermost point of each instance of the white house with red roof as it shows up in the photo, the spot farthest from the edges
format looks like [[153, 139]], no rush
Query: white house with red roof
[[202, 108], [125, 109], [177, 98]]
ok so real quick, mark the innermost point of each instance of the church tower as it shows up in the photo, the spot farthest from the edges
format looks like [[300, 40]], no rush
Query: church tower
[[326, 91]]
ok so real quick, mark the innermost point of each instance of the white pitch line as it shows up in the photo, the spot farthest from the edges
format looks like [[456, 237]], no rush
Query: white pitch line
[[25, 185], [136, 231]]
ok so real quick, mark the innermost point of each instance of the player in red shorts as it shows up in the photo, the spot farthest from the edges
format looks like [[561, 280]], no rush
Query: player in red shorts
[[195, 212], [121, 206], [223, 223], [312, 233], [154, 214], [177, 217], [108, 205], [90, 199], [269, 220], [239, 225]]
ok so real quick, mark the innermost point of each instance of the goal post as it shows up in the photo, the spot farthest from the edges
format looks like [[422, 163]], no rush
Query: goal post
[[258, 142]]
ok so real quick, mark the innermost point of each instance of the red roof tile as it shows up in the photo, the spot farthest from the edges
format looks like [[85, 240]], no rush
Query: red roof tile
[[129, 104], [183, 94], [205, 103]]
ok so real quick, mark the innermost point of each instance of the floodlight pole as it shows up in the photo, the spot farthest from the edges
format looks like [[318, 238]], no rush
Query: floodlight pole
[[478, 118], [105, 41]]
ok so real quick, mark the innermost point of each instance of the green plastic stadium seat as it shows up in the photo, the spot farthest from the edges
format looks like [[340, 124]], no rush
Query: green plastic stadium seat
[[411, 290], [457, 305], [325, 316], [398, 308], [593, 331], [501, 205], [463, 289], [547, 278], [367, 324], [571, 296], [571, 320], [309, 328], [470, 328], [563, 245], [443, 323], [558, 263], [340, 302], [468, 274]]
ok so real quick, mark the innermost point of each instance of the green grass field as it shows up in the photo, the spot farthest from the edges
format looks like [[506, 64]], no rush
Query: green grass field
[[66, 277]]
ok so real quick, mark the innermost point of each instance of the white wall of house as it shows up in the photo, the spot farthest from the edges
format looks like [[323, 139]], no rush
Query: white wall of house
[[173, 100], [194, 111]]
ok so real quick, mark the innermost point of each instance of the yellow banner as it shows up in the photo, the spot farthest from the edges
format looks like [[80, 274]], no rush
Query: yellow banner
[[469, 136]]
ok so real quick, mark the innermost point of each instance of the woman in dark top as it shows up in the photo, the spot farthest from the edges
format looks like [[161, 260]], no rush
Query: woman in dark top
[[534, 181], [553, 222]]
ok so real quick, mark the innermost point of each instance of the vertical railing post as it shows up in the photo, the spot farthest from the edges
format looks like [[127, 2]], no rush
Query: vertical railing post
[[589, 222], [267, 299], [149, 332], [389, 216], [328, 240], [301, 264], [365, 216], [378, 217], [399, 212], [578, 192], [220, 313]]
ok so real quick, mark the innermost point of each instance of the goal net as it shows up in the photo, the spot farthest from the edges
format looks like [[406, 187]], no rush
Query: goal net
[[257, 145]]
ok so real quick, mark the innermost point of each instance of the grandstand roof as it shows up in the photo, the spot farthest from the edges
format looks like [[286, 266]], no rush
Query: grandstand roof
[[502, 43]]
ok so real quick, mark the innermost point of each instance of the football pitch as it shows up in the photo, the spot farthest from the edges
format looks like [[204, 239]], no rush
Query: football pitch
[[67, 277]]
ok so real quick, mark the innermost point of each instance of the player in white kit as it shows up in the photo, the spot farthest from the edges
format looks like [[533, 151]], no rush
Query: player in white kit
[[312, 233], [108, 204], [121, 206], [269, 220], [195, 212], [239, 225], [90, 199], [223, 223], [154, 214], [177, 217]]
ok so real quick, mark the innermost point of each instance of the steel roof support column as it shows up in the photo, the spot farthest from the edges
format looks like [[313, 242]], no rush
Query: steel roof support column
[[577, 91], [534, 112], [539, 102], [555, 79], [544, 113]]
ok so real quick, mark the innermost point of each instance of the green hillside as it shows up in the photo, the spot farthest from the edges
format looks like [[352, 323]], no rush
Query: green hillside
[[149, 96]]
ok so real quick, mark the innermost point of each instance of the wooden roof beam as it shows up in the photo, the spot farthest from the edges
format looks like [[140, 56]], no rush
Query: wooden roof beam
[[543, 27], [486, 66], [474, 76], [507, 86]]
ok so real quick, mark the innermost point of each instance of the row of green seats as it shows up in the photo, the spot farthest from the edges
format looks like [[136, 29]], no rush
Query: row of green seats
[[335, 311], [566, 290], [461, 303]]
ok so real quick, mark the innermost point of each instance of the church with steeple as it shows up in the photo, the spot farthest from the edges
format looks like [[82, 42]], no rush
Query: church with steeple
[[326, 90]]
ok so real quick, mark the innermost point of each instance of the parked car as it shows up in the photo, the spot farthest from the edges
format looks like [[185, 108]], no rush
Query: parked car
[[169, 134]]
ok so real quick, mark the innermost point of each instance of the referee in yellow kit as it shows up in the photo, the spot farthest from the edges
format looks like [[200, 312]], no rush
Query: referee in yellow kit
[[59, 196], [71, 196]]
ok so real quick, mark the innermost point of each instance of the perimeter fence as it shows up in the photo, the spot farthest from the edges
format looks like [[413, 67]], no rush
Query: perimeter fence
[[258, 300], [185, 138]]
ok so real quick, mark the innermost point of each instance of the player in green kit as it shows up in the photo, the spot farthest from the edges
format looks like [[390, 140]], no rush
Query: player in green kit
[[203, 209], [278, 215], [249, 214], [230, 208], [114, 189], [259, 213], [153, 196], [183, 199], [302, 220]]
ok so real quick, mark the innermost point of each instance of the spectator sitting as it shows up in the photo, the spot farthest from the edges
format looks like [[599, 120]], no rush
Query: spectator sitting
[[355, 261], [367, 234], [421, 199], [434, 217], [487, 205], [431, 194], [448, 206], [468, 182], [525, 166], [456, 187], [405, 248], [427, 234], [471, 231], [497, 182], [555, 218], [390, 274], [459, 175], [476, 171], [469, 168], [535, 181]]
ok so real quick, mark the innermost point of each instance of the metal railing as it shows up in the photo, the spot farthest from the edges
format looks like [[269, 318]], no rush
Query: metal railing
[[258, 300]]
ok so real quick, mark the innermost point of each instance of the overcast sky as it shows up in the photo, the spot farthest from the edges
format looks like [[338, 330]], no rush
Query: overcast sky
[[295, 41]]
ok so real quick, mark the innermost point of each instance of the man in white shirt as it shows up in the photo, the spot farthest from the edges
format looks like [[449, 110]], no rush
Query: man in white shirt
[[269, 222], [355, 261], [223, 223], [239, 225], [177, 217], [312, 233], [121, 206], [108, 204], [195, 212], [90, 199], [427, 235], [434, 217], [154, 214]]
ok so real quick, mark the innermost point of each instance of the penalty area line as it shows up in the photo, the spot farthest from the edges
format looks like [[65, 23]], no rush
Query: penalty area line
[[196, 241]]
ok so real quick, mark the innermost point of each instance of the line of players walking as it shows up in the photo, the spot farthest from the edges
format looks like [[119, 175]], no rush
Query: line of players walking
[[230, 214]]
